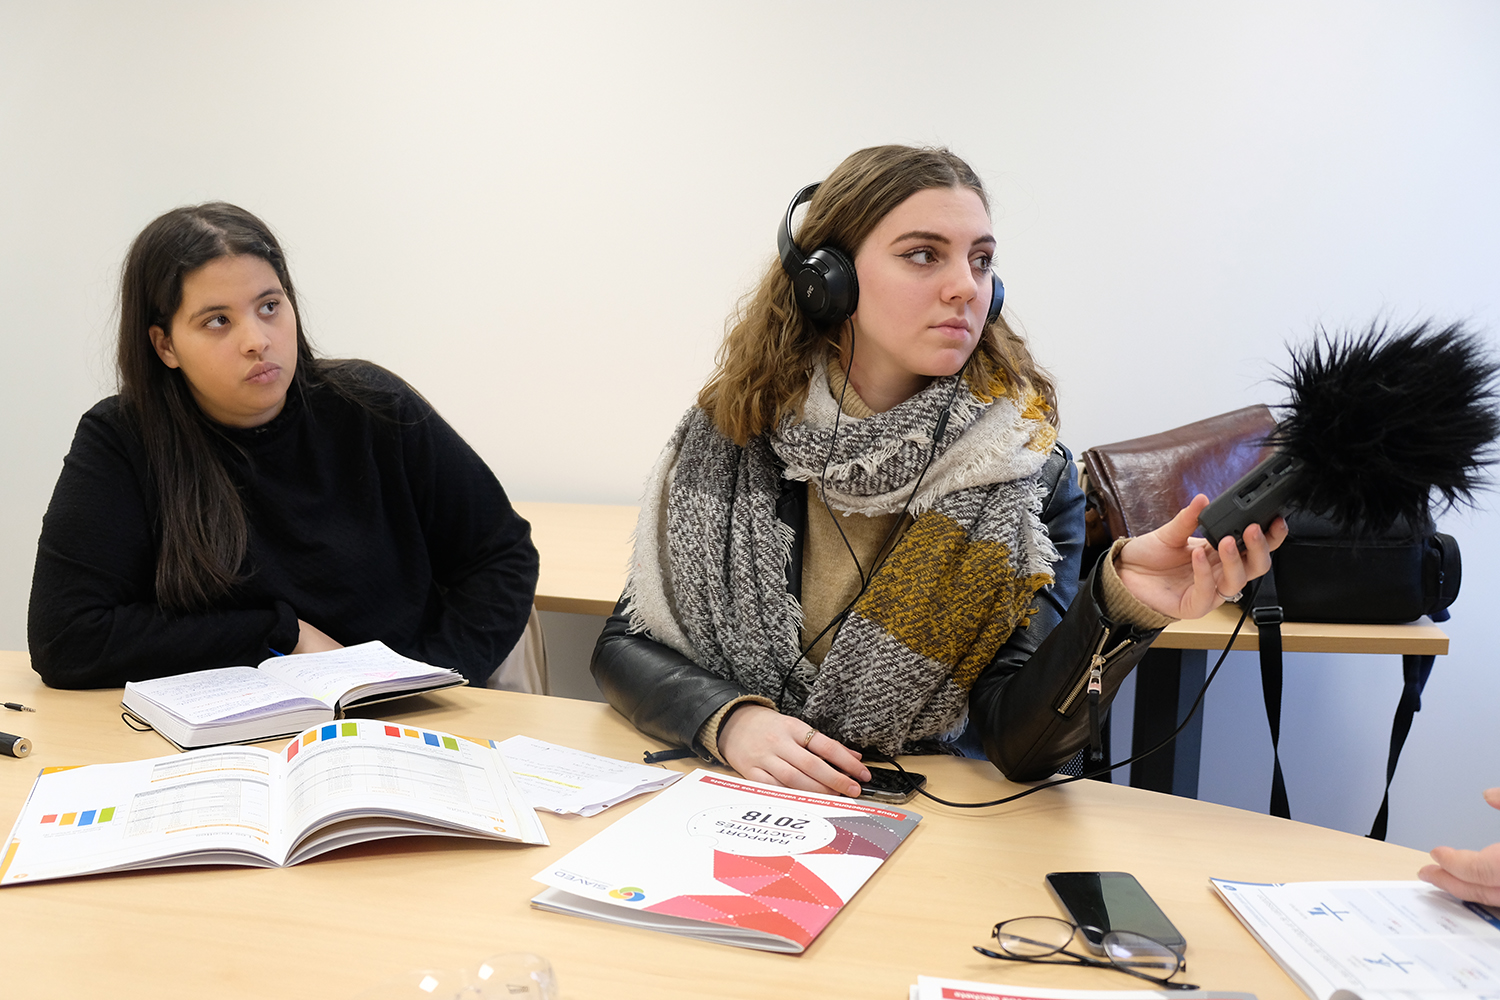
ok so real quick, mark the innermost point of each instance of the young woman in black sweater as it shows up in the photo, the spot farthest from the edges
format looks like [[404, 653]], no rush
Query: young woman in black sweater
[[241, 497]]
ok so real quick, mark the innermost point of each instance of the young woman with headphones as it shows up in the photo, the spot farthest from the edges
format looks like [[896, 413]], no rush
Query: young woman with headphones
[[241, 497], [865, 535]]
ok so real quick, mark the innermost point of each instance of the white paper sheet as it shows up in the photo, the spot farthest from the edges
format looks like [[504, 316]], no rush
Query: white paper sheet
[[563, 780]]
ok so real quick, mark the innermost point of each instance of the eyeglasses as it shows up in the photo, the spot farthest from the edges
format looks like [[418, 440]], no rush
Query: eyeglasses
[[1037, 939]]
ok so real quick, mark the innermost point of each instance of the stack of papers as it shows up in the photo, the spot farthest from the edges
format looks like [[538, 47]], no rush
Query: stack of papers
[[563, 780]]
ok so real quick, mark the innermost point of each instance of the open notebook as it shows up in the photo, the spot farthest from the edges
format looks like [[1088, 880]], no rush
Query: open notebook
[[281, 696]]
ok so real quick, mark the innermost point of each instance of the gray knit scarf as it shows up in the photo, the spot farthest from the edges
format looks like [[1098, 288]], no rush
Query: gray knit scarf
[[710, 567]]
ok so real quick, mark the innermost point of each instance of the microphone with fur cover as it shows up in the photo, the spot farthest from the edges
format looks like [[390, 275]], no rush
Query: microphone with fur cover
[[1376, 423]]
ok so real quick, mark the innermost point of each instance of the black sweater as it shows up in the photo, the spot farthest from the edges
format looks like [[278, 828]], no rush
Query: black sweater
[[365, 526]]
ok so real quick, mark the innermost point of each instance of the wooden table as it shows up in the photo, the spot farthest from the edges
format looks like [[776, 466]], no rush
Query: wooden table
[[336, 925], [585, 551]]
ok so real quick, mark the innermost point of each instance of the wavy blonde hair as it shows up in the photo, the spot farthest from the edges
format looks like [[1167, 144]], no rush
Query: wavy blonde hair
[[770, 348]]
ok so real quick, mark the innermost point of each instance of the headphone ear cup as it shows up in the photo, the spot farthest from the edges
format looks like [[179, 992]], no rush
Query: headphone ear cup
[[826, 287], [824, 284], [841, 285], [997, 298]]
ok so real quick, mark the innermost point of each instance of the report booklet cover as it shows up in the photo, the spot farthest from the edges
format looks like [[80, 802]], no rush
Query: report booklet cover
[[729, 860]]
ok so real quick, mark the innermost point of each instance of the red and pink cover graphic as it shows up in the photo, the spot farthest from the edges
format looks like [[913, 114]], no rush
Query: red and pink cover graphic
[[712, 856]]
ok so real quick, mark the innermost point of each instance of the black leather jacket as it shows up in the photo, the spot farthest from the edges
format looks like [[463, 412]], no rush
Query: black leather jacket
[[1029, 706]]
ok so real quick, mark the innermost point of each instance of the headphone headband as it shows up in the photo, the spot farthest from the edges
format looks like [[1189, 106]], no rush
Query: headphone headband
[[791, 254]]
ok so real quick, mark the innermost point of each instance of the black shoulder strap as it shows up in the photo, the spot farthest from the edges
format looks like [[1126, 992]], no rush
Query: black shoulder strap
[[1266, 610], [1415, 669], [1054, 470]]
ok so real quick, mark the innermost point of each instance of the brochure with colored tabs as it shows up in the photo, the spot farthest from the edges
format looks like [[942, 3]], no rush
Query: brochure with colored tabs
[[729, 860], [1372, 940], [338, 784], [282, 696]]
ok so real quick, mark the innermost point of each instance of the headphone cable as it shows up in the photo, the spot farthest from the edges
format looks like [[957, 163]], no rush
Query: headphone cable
[[1228, 645], [837, 621]]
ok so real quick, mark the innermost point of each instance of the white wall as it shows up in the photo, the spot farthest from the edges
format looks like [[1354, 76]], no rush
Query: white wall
[[541, 213]]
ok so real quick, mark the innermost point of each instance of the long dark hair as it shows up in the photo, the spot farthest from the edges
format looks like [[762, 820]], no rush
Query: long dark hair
[[771, 346], [204, 533]]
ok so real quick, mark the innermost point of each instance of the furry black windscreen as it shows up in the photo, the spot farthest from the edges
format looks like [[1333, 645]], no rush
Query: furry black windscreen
[[1384, 418]]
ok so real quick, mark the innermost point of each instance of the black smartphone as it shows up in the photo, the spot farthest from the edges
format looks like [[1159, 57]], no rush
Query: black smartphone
[[1101, 902], [889, 785]]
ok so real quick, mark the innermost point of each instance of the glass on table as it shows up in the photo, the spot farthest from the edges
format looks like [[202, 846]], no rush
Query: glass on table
[[517, 975]]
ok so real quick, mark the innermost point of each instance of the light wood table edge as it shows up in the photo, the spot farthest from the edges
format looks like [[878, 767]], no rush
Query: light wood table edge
[[585, 549], [575, 605], [1213, 630]]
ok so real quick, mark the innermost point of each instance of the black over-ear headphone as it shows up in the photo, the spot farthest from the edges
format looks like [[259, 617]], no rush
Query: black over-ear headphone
[[824, 283]]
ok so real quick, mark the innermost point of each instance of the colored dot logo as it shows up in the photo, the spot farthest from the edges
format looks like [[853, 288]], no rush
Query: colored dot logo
[[629, 893]]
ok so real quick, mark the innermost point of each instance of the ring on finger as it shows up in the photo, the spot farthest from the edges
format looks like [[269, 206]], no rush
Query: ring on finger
[[808, 738], [1231, 598]]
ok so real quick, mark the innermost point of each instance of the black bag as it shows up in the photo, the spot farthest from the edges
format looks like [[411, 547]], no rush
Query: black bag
[[1327, 574], [1323, 573]]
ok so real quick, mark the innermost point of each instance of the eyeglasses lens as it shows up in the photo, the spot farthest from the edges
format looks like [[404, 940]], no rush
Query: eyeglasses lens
[[1142, 954], [1033, 937]]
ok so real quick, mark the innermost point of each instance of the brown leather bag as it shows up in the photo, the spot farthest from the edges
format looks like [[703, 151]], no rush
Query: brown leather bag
[[1138, 485]]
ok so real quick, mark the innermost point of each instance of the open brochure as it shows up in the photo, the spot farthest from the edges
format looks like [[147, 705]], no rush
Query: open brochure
[[1372, 940], [933, 988], [281, 696], [728, 860], [337, 784]]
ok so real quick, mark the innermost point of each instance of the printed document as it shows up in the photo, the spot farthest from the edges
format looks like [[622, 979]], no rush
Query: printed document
[[1372, 940], [564, 780]]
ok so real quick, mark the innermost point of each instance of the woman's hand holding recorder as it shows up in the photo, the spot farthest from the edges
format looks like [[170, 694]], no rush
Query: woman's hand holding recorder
[[1176, 574]]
